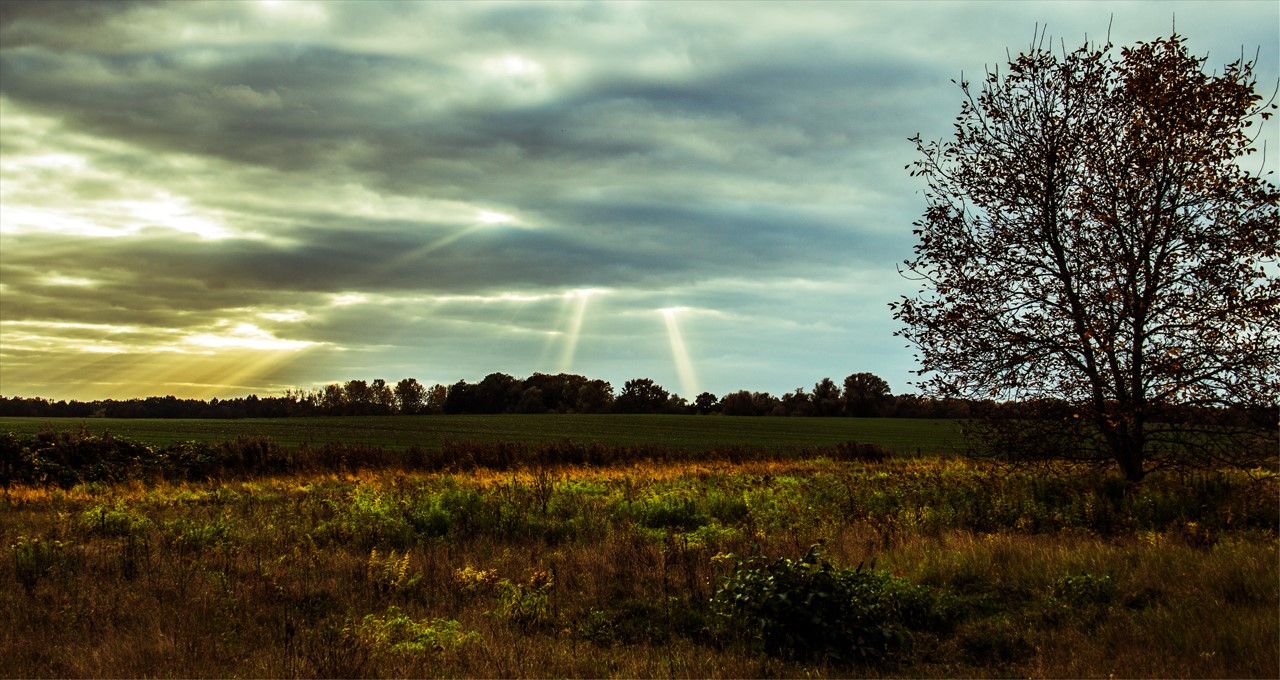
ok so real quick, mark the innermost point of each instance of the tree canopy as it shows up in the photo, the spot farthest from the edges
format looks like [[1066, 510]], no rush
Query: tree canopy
[[1094, 237]]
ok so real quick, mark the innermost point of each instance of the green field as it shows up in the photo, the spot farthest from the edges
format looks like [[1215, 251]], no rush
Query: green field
[[908, 436]]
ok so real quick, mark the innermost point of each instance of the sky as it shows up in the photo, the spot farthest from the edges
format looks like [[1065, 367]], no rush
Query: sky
[[212, 199]]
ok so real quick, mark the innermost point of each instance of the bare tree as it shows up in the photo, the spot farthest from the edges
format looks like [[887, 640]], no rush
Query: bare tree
[[1094, 241]]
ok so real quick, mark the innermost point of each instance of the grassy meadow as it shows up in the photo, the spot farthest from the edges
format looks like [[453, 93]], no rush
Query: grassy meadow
[[635, 565]]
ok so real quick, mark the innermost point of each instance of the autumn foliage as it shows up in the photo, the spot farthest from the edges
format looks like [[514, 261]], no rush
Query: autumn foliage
[[1094, 236]]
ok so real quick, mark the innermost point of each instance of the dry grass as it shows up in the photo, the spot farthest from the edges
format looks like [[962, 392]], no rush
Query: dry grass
[[288, 576]]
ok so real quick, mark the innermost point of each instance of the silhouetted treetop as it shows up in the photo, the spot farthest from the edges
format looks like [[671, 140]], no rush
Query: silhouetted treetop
[[1092, 236]]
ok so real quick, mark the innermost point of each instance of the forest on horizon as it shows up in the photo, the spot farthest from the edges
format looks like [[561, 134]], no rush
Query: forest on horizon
[[860, 395]]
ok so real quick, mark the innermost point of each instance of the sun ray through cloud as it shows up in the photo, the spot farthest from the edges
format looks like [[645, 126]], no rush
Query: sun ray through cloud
[[573, 330], [315, 172], [680, 353]]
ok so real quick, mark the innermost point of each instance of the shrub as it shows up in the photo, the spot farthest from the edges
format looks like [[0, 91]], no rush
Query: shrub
[[527, 605], [34, 558], [368, 518], [671, 512], [254, 453], [397, 633], [429, 517], [867, 453], [190, 460], [112, 522], [1085, 589], [727, 506], [192, 535], [68, 458], [471, 581], [808, 609]]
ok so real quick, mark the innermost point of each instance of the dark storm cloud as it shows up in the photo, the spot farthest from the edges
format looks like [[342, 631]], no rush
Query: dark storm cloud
[[63, 24], [413, 183], [234, 111], [618, 246], [291, 113]]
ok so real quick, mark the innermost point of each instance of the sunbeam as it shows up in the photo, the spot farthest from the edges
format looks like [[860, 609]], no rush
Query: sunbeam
[[120, 361], [684, 366], [574, 328], [483, 220]]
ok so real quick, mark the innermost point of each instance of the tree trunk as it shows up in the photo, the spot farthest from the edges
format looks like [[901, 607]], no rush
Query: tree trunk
[[1128, 455]]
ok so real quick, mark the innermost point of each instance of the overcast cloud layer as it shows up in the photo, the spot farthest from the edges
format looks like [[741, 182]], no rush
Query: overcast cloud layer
[[215, 198]]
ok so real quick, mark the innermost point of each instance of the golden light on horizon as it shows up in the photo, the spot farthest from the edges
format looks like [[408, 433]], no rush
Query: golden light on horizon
[[87, 361], [90, 376]]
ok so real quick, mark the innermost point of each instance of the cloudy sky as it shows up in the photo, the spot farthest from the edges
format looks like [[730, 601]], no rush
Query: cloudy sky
[[217, 198]]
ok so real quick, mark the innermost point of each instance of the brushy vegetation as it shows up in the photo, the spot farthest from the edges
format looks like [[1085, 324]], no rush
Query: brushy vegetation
[[67, 458], [809, 609], [635, 566], [902, 435]]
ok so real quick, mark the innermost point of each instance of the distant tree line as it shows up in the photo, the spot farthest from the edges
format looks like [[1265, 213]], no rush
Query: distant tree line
[[861, 395]]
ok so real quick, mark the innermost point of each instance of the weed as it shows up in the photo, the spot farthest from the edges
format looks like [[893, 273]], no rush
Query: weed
[[337, 651], [1085, 589], [193, 535], [396, 633], [986, 572], [527, 605], [34, 558], [370, 517], [391, 574], [115, 521], [993, 643], [473, 581], [671, 512]]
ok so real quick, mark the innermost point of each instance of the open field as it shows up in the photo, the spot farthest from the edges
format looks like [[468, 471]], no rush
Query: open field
[[683, 432], [628, 570]]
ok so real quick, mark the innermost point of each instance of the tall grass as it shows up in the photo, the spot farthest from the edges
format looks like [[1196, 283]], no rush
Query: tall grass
[[580, 570]]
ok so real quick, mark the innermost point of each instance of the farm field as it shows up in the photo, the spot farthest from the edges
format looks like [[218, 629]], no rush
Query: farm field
[[931, 566], [682, 432]]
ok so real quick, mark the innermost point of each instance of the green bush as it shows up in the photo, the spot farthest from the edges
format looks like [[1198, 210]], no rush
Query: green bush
[[115, 521], [34, 558], [428, 517], [191, 535], [190, 460], [729, 507], [68, 458], [808, 609], [671, 512], [1085, 589], [397, 633], [527, 605], [369, 518]]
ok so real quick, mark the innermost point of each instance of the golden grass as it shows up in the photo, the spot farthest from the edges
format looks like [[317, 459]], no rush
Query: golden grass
[[258, 577]]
